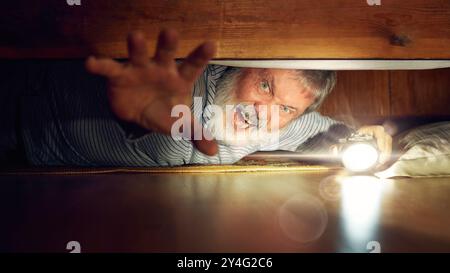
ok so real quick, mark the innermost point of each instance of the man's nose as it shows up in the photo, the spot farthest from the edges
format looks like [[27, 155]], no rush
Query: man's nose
[[263, 111]]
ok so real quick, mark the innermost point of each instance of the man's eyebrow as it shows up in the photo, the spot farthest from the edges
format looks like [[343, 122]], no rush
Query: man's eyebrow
[[272, 84], [264, 74]]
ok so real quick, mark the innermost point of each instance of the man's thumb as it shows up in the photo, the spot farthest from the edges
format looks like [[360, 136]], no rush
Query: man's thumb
[[203, 139]]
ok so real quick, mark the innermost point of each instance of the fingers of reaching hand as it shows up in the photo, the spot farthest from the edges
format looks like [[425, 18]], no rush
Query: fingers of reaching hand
[[137, 49], [194, 64], [166, 47], [104, 67]]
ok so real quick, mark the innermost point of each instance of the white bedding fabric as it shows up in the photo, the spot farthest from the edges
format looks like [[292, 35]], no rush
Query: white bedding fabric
[[427, 153]]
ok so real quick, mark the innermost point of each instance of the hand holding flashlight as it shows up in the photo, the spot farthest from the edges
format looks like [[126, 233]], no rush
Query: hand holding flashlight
[[382, 138], [364, 150]]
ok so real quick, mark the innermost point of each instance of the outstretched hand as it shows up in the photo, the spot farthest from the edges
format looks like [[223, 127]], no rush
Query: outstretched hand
[[144, 90]]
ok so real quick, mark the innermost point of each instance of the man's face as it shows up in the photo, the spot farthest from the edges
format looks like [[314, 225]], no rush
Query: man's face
[[269, 97], [279, 88]]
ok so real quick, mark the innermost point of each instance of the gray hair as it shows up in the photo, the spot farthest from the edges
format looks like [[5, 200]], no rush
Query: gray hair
[[226, 84], [320, 82]]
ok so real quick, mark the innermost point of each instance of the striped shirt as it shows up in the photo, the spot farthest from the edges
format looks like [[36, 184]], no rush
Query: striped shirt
[[70, 123]]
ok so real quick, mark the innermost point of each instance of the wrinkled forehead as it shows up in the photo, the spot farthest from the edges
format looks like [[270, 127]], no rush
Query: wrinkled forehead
[[280, 76], [287, 85], [271, 71], [285, 80]]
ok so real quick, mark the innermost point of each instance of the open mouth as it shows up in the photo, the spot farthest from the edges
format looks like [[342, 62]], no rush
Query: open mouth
[[245, 116]]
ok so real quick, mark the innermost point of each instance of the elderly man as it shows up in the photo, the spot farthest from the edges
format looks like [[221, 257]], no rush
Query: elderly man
[[128, 119]]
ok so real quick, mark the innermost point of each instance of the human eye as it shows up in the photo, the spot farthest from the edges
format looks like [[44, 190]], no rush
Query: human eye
[[285, 109], [264, 86]]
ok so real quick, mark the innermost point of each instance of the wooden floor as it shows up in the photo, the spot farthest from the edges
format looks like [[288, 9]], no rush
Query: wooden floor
[[322, 211]]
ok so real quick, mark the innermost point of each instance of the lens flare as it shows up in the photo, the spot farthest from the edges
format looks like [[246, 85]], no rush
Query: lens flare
[[360, 157], [303, 218]]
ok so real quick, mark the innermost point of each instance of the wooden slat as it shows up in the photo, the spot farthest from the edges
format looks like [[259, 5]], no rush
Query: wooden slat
[[242, 28], [419, 93], [359, 97]]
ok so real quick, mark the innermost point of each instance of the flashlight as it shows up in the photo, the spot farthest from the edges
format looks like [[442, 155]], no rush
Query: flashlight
[[359, 152]]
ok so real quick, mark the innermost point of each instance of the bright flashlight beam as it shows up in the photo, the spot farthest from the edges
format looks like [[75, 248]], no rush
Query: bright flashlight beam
[[360, 157], [361, 202]]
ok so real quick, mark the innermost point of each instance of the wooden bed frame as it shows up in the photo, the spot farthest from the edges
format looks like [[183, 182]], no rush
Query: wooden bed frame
[[243, 29]]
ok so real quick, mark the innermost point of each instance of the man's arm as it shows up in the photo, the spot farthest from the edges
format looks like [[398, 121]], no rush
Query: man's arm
[[327, 141], [144, 91], [323, 142]]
